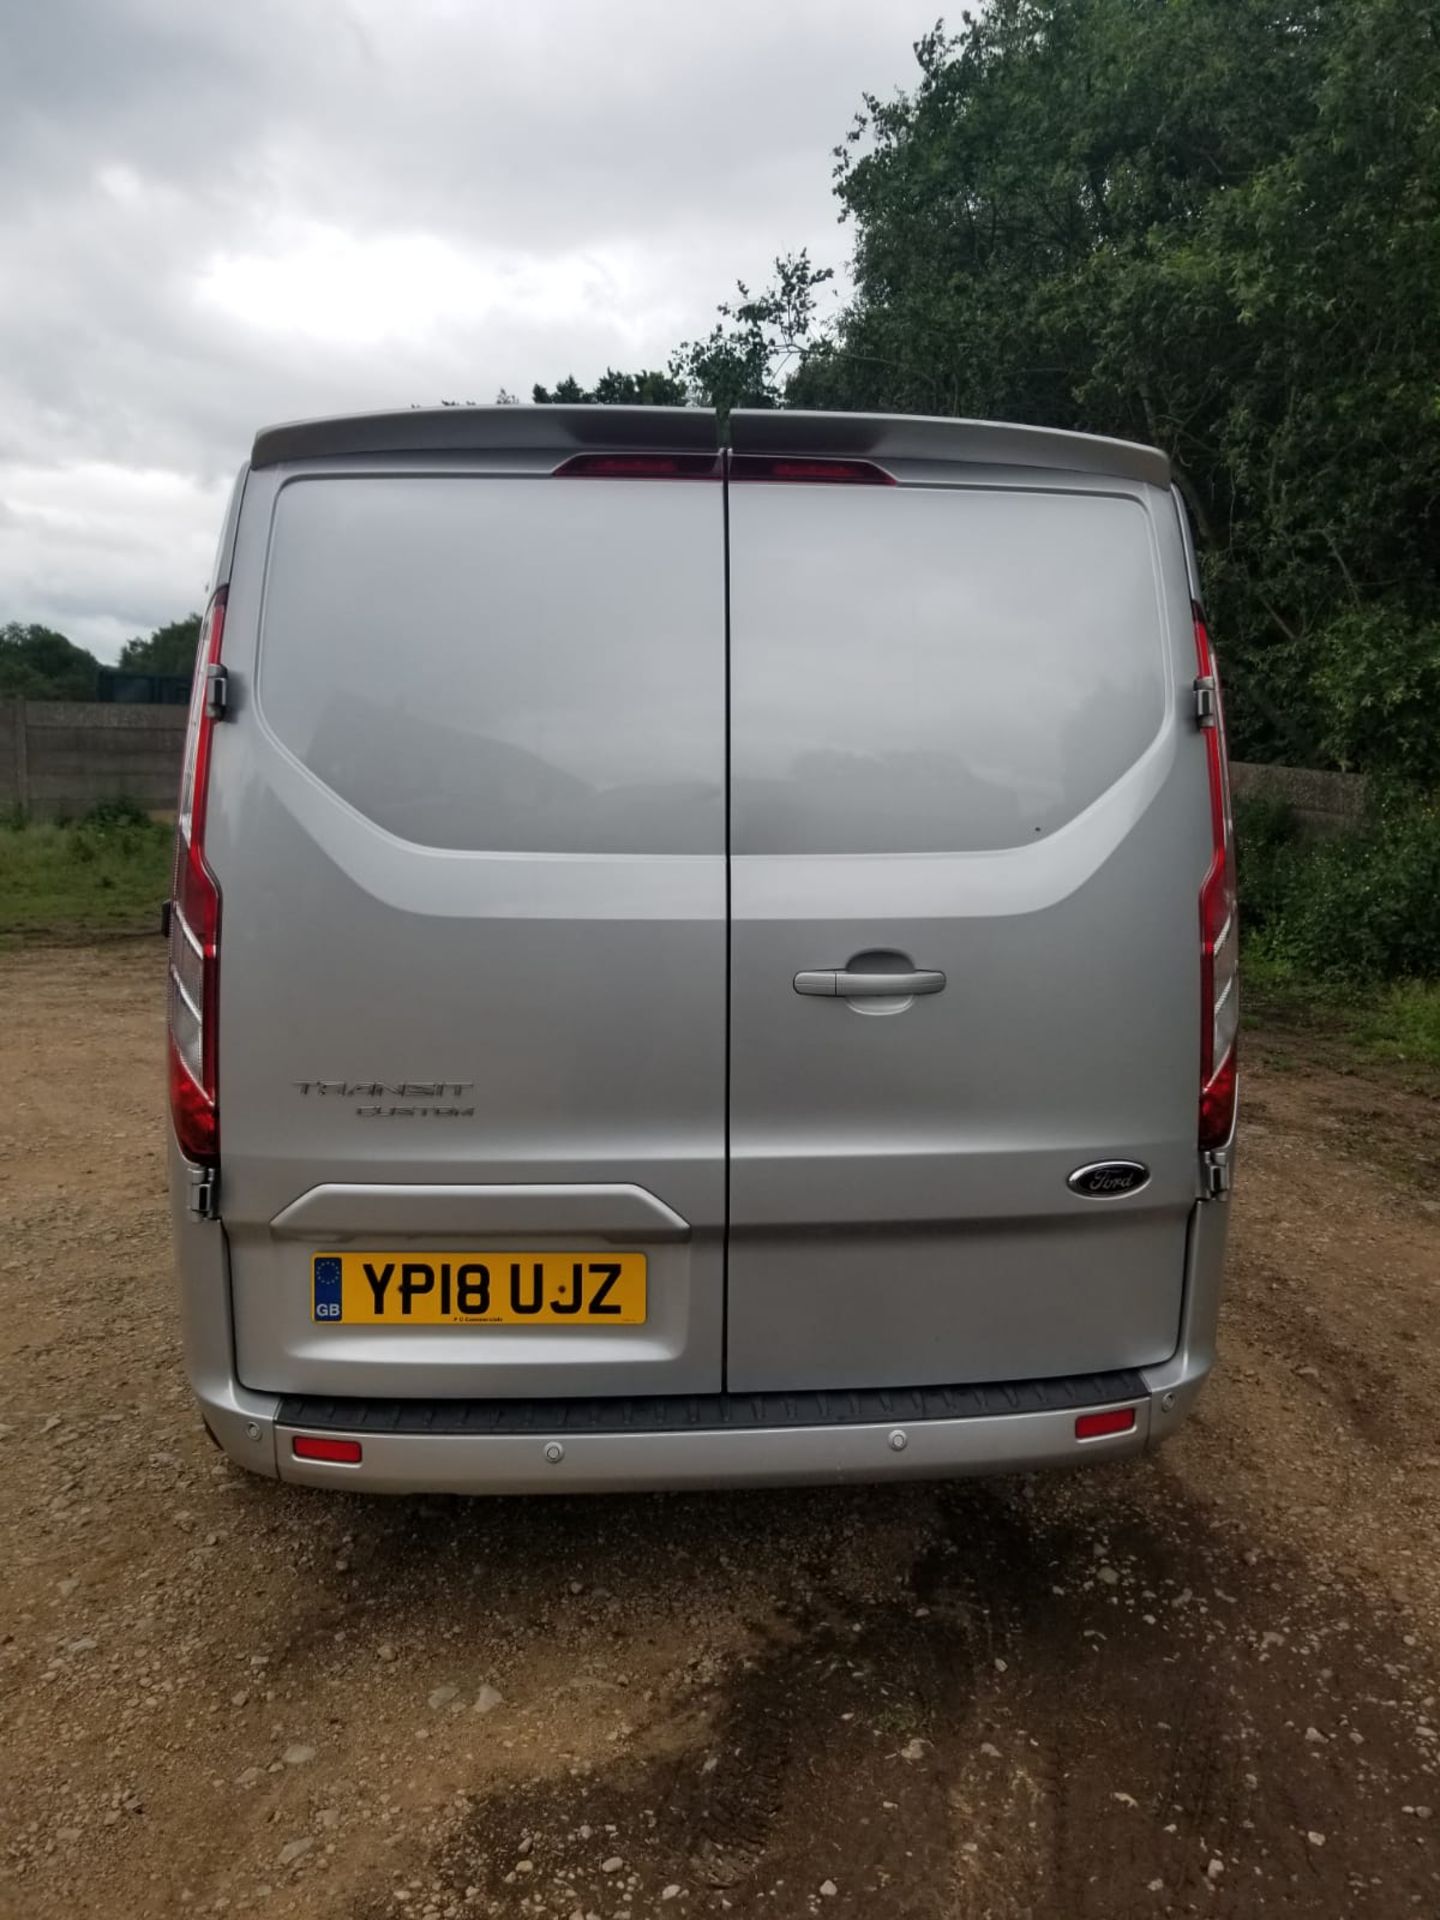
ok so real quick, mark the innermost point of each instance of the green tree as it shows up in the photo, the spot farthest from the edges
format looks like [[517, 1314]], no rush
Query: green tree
[[167, 650], [758, 340], [36, 663], [1211, 224], [613, 389]]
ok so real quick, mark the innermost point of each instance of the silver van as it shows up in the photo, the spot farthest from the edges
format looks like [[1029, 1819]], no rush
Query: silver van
[[699, 954]]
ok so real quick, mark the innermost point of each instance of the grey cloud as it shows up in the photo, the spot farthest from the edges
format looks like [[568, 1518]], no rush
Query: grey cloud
[[159, 159]]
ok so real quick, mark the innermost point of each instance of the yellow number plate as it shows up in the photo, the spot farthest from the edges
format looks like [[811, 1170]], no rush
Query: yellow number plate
[[479, 1289]]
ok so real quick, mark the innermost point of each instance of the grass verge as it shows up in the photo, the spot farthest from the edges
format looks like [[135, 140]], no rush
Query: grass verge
[[1397, 1020], [106, 873]]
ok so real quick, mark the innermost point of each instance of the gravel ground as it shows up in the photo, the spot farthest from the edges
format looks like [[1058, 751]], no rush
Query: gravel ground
[[1205, 1682]]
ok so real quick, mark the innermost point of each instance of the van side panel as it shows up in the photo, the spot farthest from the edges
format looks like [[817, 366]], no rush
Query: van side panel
[[468, 823], [961, 744]]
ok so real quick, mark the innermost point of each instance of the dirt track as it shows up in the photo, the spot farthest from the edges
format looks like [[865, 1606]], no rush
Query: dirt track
[[1207, 1682]]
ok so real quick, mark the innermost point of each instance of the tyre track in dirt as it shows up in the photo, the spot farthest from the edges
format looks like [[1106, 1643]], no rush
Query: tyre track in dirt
[[1204, 1682]]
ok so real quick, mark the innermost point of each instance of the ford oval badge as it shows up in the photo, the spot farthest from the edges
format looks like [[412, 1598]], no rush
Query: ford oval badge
[[1109, 1179]]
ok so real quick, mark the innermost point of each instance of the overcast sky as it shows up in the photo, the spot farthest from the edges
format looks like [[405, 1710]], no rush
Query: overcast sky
[[214, 216]]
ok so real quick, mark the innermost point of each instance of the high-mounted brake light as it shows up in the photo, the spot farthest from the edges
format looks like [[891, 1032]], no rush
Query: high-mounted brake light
[[707, 466], [767, 466], [1219, 924], [195, 919], [640, 466]]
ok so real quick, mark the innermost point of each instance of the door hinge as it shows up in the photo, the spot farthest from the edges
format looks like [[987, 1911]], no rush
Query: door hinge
[[217, 692], [1207, 701], [1215, 1175], [204, 1198]]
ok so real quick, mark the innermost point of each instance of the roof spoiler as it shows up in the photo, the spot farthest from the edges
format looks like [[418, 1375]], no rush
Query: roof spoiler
[[576, 429], [890, 436], [509, 429]]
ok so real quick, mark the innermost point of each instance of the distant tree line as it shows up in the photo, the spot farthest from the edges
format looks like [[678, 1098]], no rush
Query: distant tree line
[[1213, 225], [36, 663]]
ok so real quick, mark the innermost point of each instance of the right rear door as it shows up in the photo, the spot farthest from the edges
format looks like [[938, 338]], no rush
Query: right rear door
[[959, 747]]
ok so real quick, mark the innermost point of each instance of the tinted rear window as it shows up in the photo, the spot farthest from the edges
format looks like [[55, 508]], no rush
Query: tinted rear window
[[501, 664], [935, 669]]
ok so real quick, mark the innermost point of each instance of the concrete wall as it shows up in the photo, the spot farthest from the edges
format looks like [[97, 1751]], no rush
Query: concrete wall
[[61, 756], [1323, 802]]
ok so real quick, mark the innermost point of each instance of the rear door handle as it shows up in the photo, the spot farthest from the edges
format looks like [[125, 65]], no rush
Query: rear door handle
[[867, 986]]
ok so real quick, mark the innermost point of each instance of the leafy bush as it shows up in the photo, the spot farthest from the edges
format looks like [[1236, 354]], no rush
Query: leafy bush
[[1267, 842], [1360, 907], [1377, 678], [115, 813]]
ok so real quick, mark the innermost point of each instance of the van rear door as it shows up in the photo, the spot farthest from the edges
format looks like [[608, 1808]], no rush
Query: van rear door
[[969, 828], [468, 823]]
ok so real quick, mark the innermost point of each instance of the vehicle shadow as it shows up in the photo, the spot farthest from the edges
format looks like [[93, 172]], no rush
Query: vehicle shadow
[[1069, 1694]]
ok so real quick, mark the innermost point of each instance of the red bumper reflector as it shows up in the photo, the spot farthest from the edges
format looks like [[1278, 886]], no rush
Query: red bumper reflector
[[343, 1453], [1093, 1426]]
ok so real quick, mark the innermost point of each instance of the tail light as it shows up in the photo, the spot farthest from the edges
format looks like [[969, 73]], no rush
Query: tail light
[[1219, 923], [195, 923], [767, 466]]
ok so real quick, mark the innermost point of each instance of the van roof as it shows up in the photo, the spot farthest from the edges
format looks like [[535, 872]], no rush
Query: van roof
[[562, 429]]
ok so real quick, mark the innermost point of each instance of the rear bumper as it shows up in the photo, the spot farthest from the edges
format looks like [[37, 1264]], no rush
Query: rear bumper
[[260, 1431], [561, 1448], [563, 1461]]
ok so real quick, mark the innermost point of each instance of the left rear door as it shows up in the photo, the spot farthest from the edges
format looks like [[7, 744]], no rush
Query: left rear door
[[468, 823]]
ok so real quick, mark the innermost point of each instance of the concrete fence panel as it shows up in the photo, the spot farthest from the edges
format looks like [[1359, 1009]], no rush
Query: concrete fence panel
[[1323, 802], [61, 756]]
